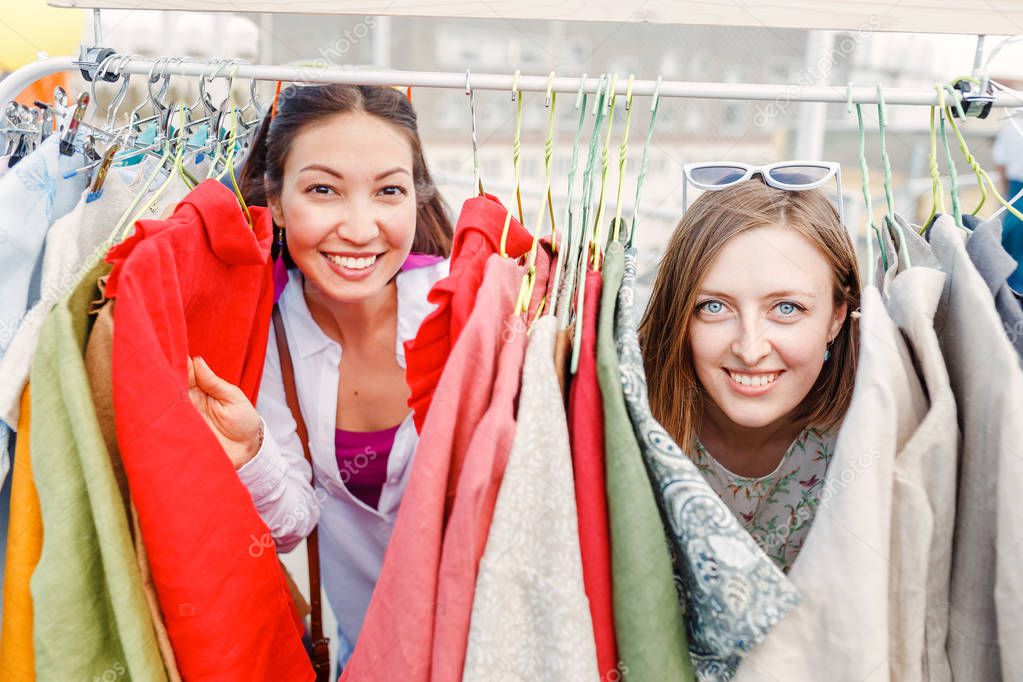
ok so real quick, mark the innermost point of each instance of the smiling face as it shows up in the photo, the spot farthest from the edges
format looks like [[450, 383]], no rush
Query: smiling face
[[348, 204], [763, 318]]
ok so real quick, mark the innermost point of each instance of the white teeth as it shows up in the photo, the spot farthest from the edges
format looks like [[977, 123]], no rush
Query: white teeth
[[350, 262], [753, 380]]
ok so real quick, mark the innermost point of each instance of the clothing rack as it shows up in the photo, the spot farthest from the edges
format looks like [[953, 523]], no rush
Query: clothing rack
[[21, 78]]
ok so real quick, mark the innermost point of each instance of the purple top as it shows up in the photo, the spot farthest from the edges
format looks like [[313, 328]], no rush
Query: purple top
[[362, 461]]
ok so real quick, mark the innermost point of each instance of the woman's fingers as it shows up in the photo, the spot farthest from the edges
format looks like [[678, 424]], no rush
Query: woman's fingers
[[209, 383]]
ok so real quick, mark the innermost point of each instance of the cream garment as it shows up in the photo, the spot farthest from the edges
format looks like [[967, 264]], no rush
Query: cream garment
[[530, 615], [923, 509], [985, 640], [74, 245], [923, 513], [841, 631]]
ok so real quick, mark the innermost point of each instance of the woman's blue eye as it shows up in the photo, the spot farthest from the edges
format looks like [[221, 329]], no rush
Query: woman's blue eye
[[712, 307], [788, 308]]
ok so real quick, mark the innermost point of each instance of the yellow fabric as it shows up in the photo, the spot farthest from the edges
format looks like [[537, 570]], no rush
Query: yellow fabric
[[24, 544]]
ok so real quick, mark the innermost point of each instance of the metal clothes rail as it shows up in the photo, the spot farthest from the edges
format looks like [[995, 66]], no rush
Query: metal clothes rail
[[21, 78]]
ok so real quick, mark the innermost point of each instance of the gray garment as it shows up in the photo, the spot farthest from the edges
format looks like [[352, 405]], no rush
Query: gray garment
[[841, 631], [735, 595], [995, 265], [986, 622], [923, 502]]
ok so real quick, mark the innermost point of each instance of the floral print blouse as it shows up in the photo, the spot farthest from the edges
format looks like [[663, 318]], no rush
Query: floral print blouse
[[776, 509]]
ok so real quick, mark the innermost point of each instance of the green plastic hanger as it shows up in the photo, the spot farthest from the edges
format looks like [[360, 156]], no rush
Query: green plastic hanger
[[865, 187], [623, 159], [892, 224], [982, 174], [579, 235], [595, 248], [953, 173], [578, 275], [517, 141], [561, 306], [529, 279], [654, 104]]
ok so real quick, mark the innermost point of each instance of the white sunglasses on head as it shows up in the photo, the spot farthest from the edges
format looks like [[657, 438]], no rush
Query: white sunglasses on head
[[788, 175]]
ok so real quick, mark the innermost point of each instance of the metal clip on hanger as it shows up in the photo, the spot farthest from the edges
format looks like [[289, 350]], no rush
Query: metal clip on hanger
[[67, 141]]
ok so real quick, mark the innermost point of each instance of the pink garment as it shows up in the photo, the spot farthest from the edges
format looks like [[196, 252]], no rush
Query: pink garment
[[465, 537], [397, 637]]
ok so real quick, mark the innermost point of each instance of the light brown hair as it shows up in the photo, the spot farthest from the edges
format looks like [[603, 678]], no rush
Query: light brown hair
[[676, 396]]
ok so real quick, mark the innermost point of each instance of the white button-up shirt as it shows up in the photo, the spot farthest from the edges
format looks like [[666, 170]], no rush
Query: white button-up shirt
[[353, 536]]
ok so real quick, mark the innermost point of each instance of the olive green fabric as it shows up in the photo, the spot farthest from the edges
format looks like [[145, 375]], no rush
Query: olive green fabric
[[649, 628], [91, 617]]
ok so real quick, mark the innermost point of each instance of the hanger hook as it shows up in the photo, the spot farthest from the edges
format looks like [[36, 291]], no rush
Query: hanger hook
[[515, 85], [115, 103], [101, 72], [550, 89], [657, 95], [582, 90], [849, 98], [477, 181]]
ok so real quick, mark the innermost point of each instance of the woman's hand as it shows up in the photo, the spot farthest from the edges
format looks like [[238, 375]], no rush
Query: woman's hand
[[230, 415]]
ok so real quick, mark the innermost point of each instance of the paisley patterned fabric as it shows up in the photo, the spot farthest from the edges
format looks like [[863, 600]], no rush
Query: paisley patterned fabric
[[776, 509], [734, 593], [530, 616]]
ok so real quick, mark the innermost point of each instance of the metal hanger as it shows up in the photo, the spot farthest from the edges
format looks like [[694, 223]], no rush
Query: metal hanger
[[477, 180]]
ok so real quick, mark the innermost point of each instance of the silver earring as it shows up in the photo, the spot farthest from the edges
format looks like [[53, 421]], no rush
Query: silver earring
[[827, 352]]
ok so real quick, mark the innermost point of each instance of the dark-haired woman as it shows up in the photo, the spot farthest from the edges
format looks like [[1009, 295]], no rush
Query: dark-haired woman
[[365, 236]]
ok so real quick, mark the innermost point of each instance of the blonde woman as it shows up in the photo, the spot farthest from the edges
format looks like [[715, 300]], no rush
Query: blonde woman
[[750, 350]]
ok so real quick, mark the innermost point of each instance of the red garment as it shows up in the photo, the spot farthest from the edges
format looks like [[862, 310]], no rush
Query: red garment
[[586, 429], [397, 637], [200, 283], [477, 236]]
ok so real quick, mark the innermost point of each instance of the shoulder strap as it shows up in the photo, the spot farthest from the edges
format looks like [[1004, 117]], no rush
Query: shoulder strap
[[320, 654]]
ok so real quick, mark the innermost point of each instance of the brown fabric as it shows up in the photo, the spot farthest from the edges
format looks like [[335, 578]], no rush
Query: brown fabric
[[563, 356], [162, 638], [320, 655]]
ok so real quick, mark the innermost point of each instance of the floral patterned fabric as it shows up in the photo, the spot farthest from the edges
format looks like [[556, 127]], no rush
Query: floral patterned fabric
[[734, 593], [776, 509]]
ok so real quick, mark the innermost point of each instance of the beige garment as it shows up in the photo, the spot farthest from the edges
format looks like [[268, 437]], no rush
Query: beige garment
[[923, 504], [986, 623], [840, 632], [530, 615]]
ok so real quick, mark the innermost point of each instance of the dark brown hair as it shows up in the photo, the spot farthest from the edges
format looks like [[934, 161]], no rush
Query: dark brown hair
[[676, 396], [299, 107]]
